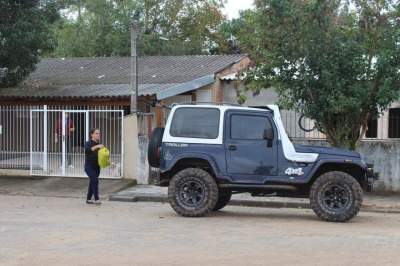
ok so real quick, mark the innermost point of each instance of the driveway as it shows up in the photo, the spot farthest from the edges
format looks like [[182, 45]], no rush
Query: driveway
[[65, 231], [58, 186]]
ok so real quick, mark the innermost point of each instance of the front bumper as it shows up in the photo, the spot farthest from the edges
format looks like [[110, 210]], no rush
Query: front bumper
[[370, 177]]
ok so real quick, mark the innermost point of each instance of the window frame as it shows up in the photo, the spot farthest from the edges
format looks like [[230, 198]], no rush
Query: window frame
[[249, 115], [227, 125], [191, 137], [390, 122]]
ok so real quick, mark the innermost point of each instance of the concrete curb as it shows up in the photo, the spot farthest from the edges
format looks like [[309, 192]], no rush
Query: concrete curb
[[379, 209], [143, 198], [251, 203]]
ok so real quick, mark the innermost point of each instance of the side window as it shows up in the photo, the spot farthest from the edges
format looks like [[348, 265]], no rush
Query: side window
[[249, 127], [189, 122]]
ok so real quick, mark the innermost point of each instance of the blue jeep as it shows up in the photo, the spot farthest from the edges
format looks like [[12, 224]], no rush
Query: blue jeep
[[207, 152]]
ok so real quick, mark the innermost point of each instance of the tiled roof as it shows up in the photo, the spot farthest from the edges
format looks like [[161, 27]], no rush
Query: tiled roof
[[115, 70], [97, 90], [109, 76]]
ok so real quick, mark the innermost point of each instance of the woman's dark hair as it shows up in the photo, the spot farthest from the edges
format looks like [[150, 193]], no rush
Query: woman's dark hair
[[92, 131]]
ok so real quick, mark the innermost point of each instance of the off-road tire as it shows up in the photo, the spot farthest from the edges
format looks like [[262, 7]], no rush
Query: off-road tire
[[176, 192], [327, 202], [153, 155], [224, 197]]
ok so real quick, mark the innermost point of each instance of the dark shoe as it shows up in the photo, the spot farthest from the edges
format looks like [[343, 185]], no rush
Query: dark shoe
[[89, 202]]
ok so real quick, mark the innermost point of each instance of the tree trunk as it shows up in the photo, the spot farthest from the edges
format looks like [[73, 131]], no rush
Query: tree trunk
[[344, 131]]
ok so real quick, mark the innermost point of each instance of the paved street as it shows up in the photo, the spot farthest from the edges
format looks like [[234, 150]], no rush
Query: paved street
[[64, 231]]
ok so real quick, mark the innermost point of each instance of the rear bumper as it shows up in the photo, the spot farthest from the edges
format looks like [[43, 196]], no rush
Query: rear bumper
[[370, 177]]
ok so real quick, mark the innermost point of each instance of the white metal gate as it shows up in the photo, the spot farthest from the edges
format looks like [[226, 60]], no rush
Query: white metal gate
[[57, 139]]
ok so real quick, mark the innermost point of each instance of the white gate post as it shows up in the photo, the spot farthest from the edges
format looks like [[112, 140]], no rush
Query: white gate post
[[131, 148], [63, 143], [45, 140], [31, 140], [122, 142], [87, 126]]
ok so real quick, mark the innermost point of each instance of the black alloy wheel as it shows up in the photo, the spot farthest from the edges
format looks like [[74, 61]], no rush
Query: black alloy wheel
[[336, 197], [192, 193]]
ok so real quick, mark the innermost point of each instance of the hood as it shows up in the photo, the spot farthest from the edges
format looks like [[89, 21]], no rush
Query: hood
[[326, 150]]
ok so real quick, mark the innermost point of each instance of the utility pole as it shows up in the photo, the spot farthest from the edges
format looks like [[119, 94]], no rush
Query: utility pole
[[134, 65]]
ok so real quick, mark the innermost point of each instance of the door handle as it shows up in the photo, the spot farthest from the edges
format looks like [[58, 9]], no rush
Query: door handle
[[232, 147]]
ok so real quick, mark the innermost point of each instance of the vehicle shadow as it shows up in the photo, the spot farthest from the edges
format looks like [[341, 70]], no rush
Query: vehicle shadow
[[235, 213], [287, 214], [267, 214]]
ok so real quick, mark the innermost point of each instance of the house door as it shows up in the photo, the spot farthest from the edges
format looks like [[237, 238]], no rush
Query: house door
[[57, 139]]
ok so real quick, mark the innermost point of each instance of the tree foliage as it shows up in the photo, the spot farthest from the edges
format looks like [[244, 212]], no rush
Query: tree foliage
[[168, 27], [24, 34], [237, 35], [335, 61]]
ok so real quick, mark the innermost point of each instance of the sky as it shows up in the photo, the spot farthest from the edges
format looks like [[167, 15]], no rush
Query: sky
[[232, 7]]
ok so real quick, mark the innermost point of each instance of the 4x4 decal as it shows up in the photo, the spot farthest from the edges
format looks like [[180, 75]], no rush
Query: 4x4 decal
[[294, 171]]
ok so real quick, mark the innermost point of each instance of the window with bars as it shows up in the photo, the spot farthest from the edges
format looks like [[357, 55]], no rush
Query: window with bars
[[394, 123]]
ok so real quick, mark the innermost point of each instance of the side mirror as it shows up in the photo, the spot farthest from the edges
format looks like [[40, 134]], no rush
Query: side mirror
[[269, 134]]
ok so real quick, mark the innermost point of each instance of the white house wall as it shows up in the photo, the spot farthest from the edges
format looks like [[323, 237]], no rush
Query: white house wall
[[263, 98], [177, 99], [204, 95]]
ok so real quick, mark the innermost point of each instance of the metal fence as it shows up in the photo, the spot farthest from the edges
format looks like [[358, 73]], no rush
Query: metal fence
[[292, 125], [36, 138], [384, 128], [14, 137]]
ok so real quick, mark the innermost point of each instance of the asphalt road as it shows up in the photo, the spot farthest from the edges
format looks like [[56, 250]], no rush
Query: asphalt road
[[65, 231]]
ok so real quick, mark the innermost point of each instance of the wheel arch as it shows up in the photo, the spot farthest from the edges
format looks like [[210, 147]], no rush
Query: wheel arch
[[188, 162], [352, 169]]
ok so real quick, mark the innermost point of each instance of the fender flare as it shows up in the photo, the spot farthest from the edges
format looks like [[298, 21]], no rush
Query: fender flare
[[321, 163], [202, 156]]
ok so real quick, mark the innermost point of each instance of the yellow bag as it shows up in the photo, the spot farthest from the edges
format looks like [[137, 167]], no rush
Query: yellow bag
[[103, 157]]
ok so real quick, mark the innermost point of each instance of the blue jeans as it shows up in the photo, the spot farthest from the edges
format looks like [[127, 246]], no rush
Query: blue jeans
[[93, 174]]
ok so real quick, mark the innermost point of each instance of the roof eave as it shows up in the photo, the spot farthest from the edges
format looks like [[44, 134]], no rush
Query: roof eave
[[185, 87]]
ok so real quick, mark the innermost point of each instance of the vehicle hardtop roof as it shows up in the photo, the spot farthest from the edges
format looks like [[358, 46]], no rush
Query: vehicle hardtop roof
[[222, 104]]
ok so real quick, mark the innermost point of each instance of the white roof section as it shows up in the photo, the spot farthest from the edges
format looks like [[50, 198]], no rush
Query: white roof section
[[219, 140], [289, 151], [222, 107], [229, 77]]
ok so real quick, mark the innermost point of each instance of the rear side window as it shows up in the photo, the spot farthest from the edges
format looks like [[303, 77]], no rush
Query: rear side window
[[191, 122], [246, 127]]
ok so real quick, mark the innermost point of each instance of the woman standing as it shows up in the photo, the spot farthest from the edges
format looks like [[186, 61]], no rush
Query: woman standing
[[92, 167]]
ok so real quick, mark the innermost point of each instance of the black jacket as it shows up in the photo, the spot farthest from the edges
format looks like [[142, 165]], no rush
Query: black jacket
[[91, 157]]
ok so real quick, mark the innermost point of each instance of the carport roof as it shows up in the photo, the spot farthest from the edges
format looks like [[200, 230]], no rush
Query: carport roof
[[109, 76]]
